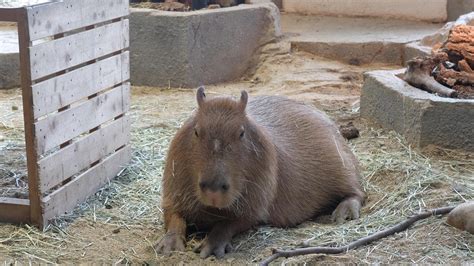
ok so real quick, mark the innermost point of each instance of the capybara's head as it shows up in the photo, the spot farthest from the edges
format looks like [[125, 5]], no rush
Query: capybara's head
[[220, 149]]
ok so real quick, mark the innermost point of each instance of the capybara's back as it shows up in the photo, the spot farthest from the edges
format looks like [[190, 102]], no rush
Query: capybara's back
[[316, 169]]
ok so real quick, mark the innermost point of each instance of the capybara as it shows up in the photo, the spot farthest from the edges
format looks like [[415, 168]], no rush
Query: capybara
[[234, 165], [462, 217]]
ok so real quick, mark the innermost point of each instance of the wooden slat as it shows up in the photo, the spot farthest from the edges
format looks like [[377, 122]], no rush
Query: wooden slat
[[64, 126], [57, 92], [80, 155], [56, 55], [79, 189], [10, 14], [14, 210], [59, 17]]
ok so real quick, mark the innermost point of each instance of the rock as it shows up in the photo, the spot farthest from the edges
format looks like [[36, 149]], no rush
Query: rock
[[462, 217], [2, 138], [467, 19], [439, 37], [349, 131]]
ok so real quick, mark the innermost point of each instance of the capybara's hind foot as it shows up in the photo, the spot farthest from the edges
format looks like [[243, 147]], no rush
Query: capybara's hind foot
[[348, 209]]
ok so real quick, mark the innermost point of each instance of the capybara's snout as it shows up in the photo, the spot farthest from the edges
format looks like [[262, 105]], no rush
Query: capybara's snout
[[214, 192]]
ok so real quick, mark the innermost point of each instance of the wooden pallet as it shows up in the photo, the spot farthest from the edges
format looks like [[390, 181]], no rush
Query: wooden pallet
[[76, 93]]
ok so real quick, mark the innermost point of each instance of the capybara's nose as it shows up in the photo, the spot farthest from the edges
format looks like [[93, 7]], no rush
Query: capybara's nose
[[214, 185]]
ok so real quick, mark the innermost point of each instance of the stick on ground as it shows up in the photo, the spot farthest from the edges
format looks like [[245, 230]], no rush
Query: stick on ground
[[360, 242]]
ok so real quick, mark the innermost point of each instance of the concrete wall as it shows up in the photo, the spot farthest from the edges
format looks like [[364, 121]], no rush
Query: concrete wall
[[457, 8], [429, 10], [188, 49], [9, 57], [9, 70]]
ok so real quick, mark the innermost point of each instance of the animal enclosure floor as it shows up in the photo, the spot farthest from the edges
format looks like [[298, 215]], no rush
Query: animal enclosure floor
[[13, 177], [123, 221]]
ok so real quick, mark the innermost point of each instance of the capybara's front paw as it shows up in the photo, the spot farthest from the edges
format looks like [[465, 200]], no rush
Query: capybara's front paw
[[170, 242], [213, 245], [347, 209]]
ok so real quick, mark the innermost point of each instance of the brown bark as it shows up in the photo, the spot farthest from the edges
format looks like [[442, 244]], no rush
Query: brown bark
[[464, 66], [463, 78], [461, 42]]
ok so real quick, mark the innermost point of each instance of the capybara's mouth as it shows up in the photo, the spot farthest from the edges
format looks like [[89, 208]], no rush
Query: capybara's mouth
[[215, 201]]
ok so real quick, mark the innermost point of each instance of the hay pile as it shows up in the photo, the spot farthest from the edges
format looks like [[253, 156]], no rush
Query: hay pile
[[123, 220], [13, 181]]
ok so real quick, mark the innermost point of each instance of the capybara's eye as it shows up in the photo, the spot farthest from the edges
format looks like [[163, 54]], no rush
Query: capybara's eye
[[242, 133], [196, 132]]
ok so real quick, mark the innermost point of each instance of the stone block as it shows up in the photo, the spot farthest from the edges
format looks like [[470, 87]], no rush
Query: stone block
[[188, 49], [423, 118]]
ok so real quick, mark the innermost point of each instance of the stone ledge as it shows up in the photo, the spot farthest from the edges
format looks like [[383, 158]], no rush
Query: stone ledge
[[423, 118]]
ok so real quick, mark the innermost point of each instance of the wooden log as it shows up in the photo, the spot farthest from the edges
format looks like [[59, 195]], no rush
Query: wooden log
[[462, 78], [418, 75], [464, 66]]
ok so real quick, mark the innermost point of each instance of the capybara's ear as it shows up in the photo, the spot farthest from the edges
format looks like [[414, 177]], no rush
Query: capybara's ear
[[200, 96], [244, 97]]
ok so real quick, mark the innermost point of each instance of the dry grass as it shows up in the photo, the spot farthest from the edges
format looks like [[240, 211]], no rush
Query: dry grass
[[399, 181]]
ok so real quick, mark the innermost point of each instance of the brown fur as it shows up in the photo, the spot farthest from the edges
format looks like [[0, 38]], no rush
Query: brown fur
[[290, 164]]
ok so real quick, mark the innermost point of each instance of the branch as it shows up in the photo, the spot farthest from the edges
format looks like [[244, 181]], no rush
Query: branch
[[360, 242]]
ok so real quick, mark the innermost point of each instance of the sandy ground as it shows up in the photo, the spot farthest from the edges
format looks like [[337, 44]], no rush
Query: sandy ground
[[121, 223]]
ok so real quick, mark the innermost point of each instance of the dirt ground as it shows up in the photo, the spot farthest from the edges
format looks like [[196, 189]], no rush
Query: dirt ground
[[122, 222]]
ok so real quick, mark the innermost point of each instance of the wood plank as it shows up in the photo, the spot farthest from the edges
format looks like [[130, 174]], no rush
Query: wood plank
[[78, 190], [59, 17], [52, 94], [35, 209], [80, 155], [11, 14], [63, 126], [56, 55], [14, 210]]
